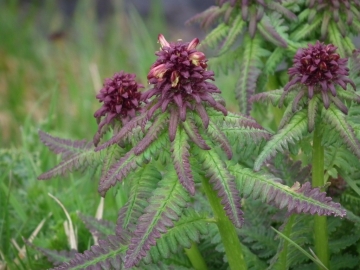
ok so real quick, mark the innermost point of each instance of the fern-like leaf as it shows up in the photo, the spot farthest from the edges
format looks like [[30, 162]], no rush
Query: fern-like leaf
[[130, 162], [336, 120], [218, 136], [54, 256], [74, 162], [152, 133], [272, 97], [109, 254], [236, 28], [193, 133], [306, 29], [297, 199], [180, 155], [143, 184], [128, 127], [223, 183], [269, 32], [98, 227], [186, 230], [64, 147], [165, 206], [250, 71], [294, 130]]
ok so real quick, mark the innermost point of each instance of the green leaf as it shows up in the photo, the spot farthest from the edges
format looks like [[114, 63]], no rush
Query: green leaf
[[250, 71], [234, 32], [223, 182], [307, 254], [165, 206], [180, 155], [337, 121], [297, 199], [292, 132]]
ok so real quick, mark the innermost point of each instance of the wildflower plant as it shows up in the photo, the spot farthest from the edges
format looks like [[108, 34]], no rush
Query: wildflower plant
[[205, 185]]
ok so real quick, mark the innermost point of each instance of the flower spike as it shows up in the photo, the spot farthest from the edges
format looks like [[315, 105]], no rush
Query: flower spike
[[121, 100], [180, 81], [319, 69]]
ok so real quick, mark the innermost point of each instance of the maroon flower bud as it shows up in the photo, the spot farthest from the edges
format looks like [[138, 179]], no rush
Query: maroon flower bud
[[179, 78], [120, 98], [319, 69]]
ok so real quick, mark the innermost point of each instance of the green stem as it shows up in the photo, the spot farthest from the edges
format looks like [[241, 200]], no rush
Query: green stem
[[273, 84], [227, 230], [195, 257], [320, 222], [284, 252]]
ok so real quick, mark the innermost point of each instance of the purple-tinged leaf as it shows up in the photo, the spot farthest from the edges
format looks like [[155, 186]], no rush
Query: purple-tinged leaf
[[54, 256], [250, 72], [268, 31], [74, 162], [143, 184], [119, 171], [297, 199], [108, 254], [272, 96], [187, 230], [173, 124], [193, 133], [128, 127], [292, 132], [100, 228], [165, 207], [130, 162], [236, 28], [337, 121], [112, 155], [218, 136], [64, 147], [223, 183], [152, 133], [180, 155], [203, 115]]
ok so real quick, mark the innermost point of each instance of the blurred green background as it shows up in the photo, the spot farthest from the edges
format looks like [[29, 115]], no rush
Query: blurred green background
[[53, 60]]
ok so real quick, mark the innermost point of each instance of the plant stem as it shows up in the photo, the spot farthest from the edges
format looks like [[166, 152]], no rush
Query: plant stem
[[195, 257], [273, 84], [284, 252], [227, 230], [320, 222]]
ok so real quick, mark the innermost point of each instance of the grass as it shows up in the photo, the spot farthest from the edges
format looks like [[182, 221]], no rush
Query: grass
[[49, 82]]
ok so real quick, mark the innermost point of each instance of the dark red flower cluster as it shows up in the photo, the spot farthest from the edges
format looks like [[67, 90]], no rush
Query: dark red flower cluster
[[179, 78], [121, 99], [320, 69]]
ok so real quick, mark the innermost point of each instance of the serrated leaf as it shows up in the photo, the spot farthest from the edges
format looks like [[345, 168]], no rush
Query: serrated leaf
[[297, 199], [101, 228], [237, 27], [337, 121], [105, 256], [292, 132], [74, 162], [65, 147], [143, 184], [250, 71], [223, 183], [165, 206], [180, 154]]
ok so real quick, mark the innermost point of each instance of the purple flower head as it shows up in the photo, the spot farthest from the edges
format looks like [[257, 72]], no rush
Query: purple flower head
[[319, 69], [120, 98], [179, 78]]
